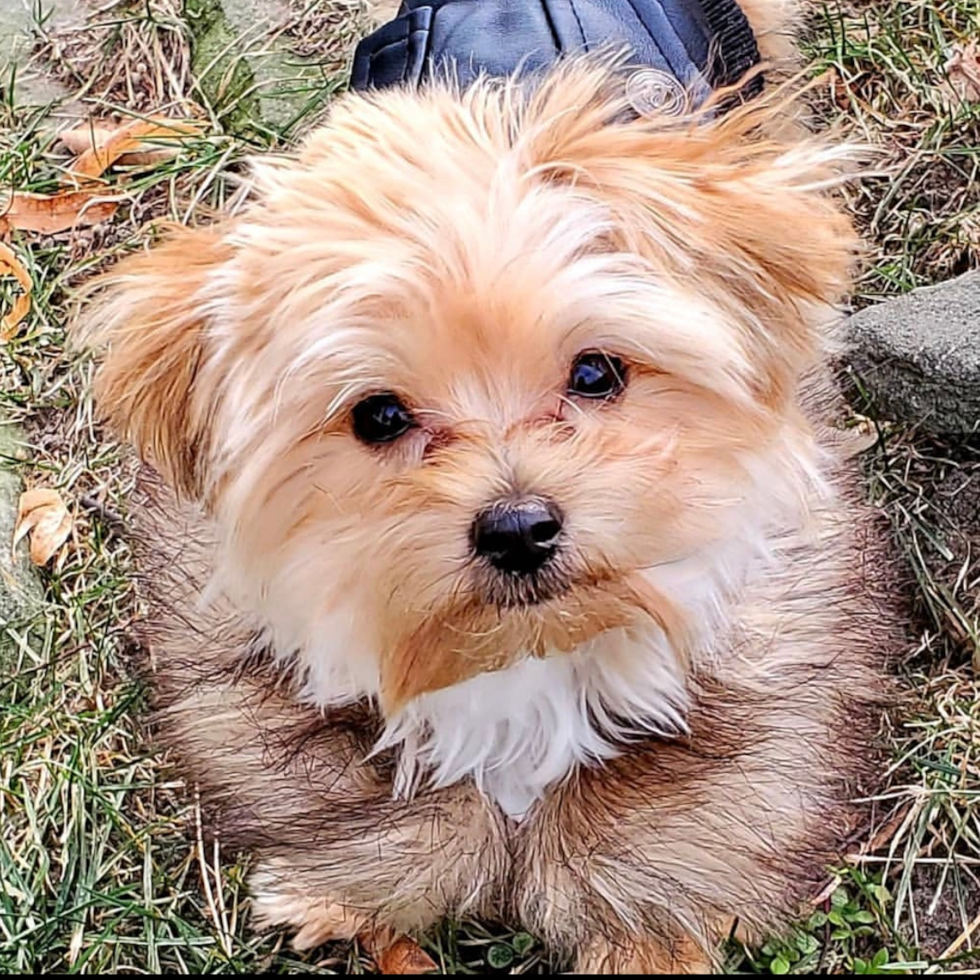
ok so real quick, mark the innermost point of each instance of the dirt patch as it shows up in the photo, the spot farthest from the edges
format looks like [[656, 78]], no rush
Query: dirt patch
[[945, 500], [946, 900]]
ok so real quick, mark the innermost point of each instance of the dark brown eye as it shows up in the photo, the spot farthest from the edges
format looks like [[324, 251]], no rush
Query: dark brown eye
[[597, 375], [381, 418]]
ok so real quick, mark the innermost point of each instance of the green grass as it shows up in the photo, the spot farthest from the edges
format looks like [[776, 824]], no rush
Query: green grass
[[102, 864]]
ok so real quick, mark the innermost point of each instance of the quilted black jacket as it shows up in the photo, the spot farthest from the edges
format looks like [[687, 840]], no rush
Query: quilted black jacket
[[703, 44]]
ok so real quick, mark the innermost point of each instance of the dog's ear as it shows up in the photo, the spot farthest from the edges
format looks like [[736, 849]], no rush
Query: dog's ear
[[148, 313]]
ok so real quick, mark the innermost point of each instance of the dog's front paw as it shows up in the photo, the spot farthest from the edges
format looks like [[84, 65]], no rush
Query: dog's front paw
[[680, 954], [315, 919]]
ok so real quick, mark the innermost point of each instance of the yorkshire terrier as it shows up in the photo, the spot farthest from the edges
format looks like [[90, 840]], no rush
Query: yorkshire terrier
[[500, 558]]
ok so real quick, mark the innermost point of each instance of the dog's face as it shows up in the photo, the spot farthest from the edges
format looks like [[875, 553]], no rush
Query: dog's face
[[469, 374]]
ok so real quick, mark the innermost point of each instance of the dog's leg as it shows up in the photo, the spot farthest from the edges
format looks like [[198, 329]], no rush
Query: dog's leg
[[336, 856], [315, 919], [380, 869], [642, 863]]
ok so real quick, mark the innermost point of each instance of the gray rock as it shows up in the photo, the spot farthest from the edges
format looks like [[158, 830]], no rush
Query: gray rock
[[21, 594], [18, 19], [918, 356], [15, 19]]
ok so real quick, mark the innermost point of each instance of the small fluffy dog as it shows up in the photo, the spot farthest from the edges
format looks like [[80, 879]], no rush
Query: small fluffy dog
[[501, 562]]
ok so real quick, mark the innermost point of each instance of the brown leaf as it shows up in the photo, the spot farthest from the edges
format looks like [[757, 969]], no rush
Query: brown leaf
[[42, 514], [100, 147], [94, 135], [87, 135], [48, 213], [148, 157], [10, 265], [400, 957], [963, 73]]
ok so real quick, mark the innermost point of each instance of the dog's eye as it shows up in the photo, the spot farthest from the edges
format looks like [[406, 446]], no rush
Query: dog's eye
[[597, 375], [381, 418]]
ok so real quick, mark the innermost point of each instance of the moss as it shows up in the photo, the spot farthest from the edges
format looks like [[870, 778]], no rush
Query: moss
[[254, 82], [225, 77]]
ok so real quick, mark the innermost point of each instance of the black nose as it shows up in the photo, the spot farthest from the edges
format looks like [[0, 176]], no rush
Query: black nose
[[517, 536]]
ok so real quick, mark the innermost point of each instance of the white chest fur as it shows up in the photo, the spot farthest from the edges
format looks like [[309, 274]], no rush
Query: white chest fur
[[519, 730]]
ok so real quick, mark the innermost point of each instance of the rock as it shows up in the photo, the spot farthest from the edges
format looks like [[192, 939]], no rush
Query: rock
[[918, 356], [21, 594], [17, 22]]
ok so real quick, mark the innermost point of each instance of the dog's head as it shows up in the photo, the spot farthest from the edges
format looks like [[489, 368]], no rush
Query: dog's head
[[472, 376]]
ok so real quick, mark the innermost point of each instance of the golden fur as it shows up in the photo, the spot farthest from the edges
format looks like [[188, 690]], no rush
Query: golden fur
[[460, 249]]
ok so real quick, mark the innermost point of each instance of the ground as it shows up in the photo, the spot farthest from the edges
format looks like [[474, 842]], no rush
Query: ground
[[102, 864]]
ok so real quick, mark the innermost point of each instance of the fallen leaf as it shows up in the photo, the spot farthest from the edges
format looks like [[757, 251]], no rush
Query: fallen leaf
[[91, 135], [148, 157], [42, 514], [963, 73], [48, 213], [99, 147], [401, 957], [12, 266], [87, 135]]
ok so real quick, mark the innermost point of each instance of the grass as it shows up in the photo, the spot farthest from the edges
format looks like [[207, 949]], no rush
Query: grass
[[102, 864], [888, 88]]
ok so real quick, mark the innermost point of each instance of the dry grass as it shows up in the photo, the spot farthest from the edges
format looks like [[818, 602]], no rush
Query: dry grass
[[136, 56], [102, 867], [889, 89]]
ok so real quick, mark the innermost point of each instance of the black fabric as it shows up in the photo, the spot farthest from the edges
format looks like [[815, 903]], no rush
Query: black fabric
[[734, 51], [702, 44]]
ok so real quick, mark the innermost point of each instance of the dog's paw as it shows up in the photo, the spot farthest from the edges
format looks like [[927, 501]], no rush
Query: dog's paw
[[315, 919], [644, 955]]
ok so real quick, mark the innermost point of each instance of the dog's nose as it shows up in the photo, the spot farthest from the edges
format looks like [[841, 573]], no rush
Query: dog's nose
[[517, 536]]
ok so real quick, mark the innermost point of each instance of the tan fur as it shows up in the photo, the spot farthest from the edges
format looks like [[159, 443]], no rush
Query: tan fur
[[713, 826], [633, 863], [723, 206], [775, 24], [157, 340], [382, 11], [460, 249]]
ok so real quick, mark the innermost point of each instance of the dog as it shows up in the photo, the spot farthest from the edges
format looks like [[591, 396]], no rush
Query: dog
[[498, 555]]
